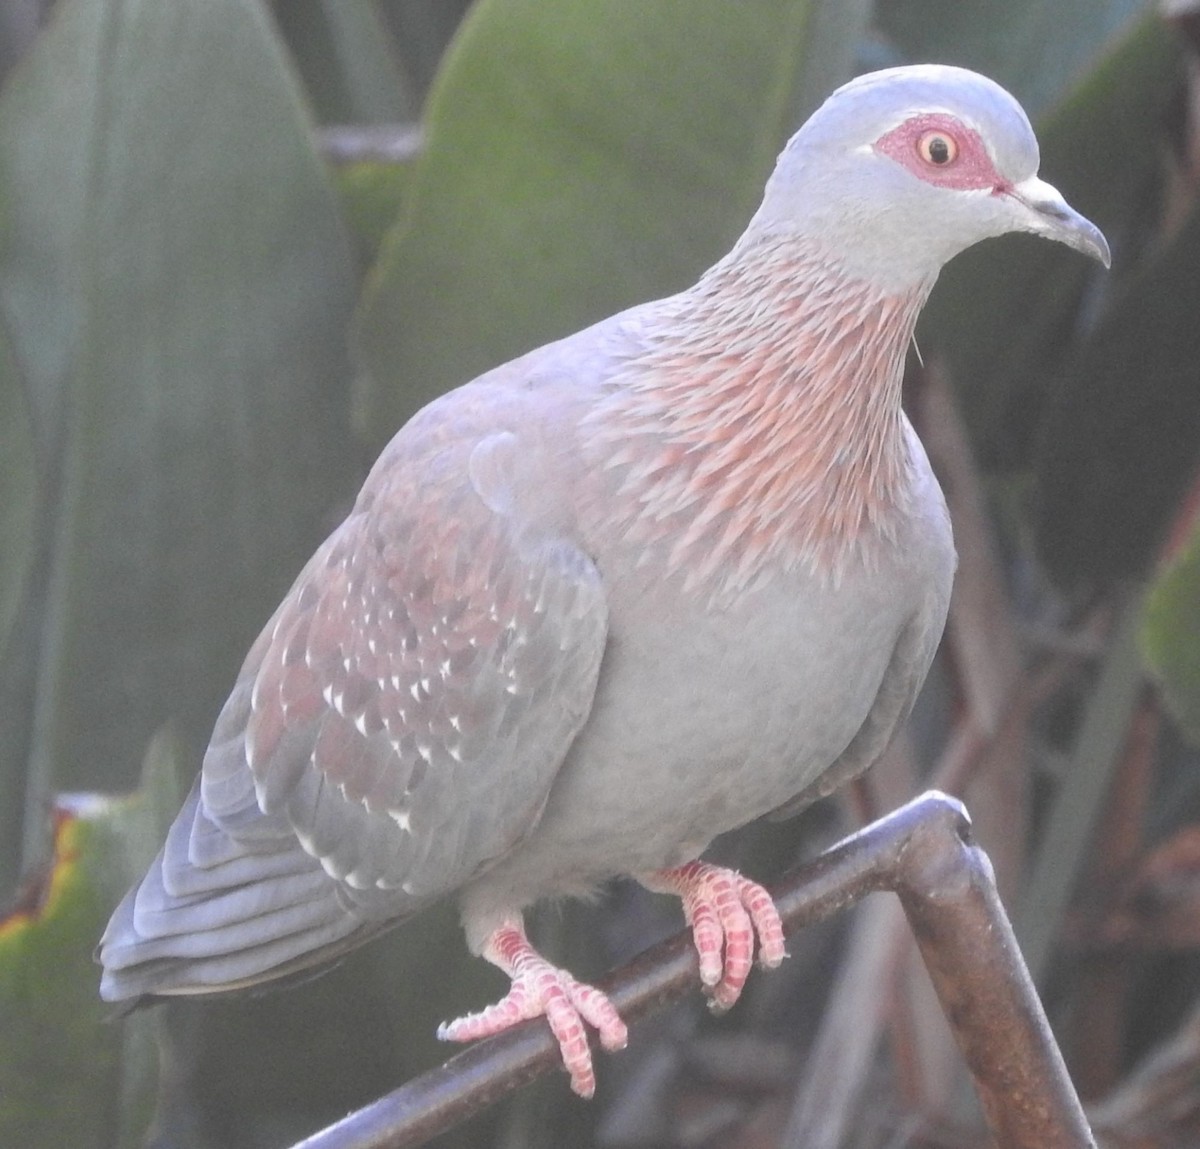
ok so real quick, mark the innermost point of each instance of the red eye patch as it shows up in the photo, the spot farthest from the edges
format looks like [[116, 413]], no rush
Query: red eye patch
[[943, 151]]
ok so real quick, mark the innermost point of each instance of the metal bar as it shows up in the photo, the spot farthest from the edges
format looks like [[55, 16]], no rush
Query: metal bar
[[924, 852]]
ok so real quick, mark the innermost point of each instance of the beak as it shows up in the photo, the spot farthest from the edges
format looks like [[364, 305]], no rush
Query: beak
[[1050, 215]]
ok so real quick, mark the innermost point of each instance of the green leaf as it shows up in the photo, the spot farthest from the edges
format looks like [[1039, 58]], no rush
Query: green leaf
[[176, 283], [68, 1075], [580, 157], [1171, 635]]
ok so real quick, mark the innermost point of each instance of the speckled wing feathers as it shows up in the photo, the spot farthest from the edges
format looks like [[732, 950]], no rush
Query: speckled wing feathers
[[408, 719]]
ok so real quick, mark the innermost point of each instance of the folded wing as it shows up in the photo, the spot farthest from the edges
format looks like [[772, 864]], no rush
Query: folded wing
[[395, 729]]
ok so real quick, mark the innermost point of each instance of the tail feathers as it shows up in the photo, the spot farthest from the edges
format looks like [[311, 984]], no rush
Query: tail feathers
[[148, 977], [199, 857], [205, 926], [211, 915]]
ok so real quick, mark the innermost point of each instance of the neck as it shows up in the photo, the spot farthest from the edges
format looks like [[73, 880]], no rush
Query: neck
[[760, 426]]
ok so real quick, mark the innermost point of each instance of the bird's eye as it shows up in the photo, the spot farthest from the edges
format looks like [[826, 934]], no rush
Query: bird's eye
[[937, 148]]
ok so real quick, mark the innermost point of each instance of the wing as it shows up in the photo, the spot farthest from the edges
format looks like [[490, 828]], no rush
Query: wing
[[395, 730], [416, 693]]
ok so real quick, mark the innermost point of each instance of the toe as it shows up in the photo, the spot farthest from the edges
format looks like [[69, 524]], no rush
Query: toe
[[767, 923], [709, 939], [566, 1023], [601, 1015], [739, 954]]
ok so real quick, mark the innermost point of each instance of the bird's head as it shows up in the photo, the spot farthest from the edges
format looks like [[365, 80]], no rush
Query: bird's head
[[900, 170]]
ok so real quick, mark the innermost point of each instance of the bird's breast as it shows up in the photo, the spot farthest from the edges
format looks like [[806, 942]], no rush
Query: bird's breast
[[705, 719]]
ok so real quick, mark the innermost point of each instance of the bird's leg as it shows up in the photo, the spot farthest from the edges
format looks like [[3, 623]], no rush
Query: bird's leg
[[541, 989], [725, 912]]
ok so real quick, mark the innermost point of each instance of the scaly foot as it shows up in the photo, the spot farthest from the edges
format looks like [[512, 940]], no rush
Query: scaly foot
[[725, 912], [541, 989]]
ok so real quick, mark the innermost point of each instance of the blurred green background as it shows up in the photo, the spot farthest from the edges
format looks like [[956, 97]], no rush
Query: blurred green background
[[241, 242]]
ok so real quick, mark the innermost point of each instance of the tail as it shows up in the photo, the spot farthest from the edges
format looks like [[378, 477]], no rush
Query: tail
[[214, 914]]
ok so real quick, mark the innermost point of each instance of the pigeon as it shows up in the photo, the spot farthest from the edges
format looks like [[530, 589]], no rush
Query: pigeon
[[634, 589]]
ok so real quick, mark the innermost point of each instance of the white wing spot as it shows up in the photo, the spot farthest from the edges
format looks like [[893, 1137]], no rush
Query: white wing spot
[[306, 842], [402, 819], [327, 864]]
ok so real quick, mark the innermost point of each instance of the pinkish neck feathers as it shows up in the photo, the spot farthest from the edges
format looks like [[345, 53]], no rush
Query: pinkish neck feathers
[[762, 428]]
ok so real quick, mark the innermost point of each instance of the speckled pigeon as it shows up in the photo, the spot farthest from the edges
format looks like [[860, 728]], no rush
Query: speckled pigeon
[[611, 599]]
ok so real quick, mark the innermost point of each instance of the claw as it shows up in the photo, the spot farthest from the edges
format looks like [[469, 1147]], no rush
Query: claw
[[540, 989], [726, 912]]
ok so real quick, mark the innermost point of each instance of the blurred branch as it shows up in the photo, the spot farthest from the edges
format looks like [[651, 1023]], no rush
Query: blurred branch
[[1159, 1103], [982, 629], [837, 1069], [1080, 799], [1102, 990]]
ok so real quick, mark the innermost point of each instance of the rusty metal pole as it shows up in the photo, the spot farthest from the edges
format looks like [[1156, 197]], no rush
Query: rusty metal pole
[[924, 853], [946, 885]]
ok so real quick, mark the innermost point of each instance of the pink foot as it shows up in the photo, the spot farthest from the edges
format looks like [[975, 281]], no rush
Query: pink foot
[[725, 911], [541, 989]]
